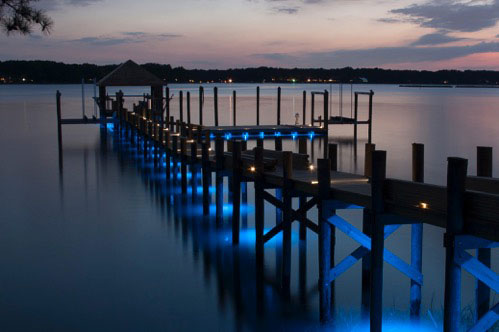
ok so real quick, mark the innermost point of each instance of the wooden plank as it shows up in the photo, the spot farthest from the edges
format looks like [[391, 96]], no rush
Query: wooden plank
[[484, 184]]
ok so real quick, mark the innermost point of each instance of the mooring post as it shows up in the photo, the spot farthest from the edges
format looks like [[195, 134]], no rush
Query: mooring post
[[183, 165], [236, 190], [279, 106], [234, 104], [201, 102], [168, 155], [302, 148], [377, 239], [482, 291], [456, 181], [356, 113], [167, 102], [326, 122], [333, 156], [312, 109], [324, 179], [59, 128], [417, 232], [194, 170], [188, 108], [257, 105], [304, 107], [215, 105], [206, 177], [181, 105], [259, 202], [219, 179], [368, 159], [278, 191], [370, 129], [287, 169]]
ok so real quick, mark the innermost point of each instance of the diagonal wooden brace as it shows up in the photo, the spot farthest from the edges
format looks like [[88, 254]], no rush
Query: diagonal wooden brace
[[365, 241], [477, 269]]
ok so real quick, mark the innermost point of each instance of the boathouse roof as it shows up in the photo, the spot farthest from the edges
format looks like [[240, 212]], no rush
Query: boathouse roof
[[130, 74]]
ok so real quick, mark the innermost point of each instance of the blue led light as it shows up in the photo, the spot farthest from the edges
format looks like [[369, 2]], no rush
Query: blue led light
[[262, 135], [277, 134], [245, 136], [228, 136], [311, 134], [294, 135]]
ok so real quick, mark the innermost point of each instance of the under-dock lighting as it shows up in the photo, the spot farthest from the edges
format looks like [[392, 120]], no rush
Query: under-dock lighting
[[423, 205], [252, 169], [311, 167]]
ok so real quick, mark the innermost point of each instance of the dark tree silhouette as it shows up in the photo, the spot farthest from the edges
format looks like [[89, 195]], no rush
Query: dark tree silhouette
[[20, 16]]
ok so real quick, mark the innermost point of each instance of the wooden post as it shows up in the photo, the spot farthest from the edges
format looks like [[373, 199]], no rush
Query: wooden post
[[279, 106], [278, 191], [312, 109], [324, 179], [482, 291], [259, 143], [188, 108], [215, 105], [377, 239], [287, 168], [368, 159], [370, 129], [219, 158], [236, 190], [456, 179], [59, 128], [326, 122], [304, 107], [181, 106], [175, 157], [194, 170], [167, 101], [259, 202], [183, 165], [333, 156], [234, 107], [302, 148], [168, 155], [417, 232], [201, 102], [356, 114], [257, 105], [206, 178], [366, 267]]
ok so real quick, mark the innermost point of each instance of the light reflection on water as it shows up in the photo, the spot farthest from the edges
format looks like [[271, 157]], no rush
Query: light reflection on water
[[111, 246]]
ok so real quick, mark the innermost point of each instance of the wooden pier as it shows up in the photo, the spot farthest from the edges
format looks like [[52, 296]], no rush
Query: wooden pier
[[468, 207]]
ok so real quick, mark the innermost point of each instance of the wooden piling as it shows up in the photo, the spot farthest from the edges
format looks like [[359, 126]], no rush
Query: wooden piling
[[236, 190], [482, 291], [188, 108], [370, 126], [234, 104], [59, 128], [333, 156], [368, 159], [278, 191], [219, 180], [279, 106], [181, 106], [257, 105], [194, 170], [168, 155], [456, 180], [206, 177], [377, 239], [326, 121], [167, 101], [324, 179], [356, 115], [201, 102], [215, 105], [183, 166], [304, 111], [287, 167], [259, 201], [302, 148], [259, 143], [416, 233]]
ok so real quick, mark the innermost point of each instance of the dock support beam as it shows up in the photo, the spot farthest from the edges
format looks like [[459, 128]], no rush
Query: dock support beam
[[219, 179], [206, 178], [377, 238], [456, 179], [302, 148], [416, 233], [236, 190], [482, 292], [287, 167]]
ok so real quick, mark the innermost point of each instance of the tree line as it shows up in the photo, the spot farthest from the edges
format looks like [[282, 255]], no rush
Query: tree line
[[58, 73]]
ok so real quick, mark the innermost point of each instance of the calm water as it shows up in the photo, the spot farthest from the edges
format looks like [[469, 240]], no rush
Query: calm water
[[109, 246]]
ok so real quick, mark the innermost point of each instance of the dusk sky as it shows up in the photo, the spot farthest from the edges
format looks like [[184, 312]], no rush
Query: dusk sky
[[440, 34]]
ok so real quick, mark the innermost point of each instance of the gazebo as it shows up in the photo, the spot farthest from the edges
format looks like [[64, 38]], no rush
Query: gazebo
[[130, 73]]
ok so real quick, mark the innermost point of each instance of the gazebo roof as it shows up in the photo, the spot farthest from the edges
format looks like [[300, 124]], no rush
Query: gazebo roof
[[130, 74]]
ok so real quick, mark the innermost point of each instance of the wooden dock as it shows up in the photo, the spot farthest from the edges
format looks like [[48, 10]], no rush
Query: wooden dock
[[468, 207]]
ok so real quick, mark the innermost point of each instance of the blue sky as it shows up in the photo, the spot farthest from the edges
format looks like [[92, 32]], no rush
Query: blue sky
[[413, 34]]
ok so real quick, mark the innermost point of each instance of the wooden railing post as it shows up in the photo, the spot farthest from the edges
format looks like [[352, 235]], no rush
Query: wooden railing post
[[482, 291], [377, 240], [416, 232], [456, 179]]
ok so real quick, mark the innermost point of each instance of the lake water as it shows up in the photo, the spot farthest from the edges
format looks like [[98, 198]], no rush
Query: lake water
[[108, 245]]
